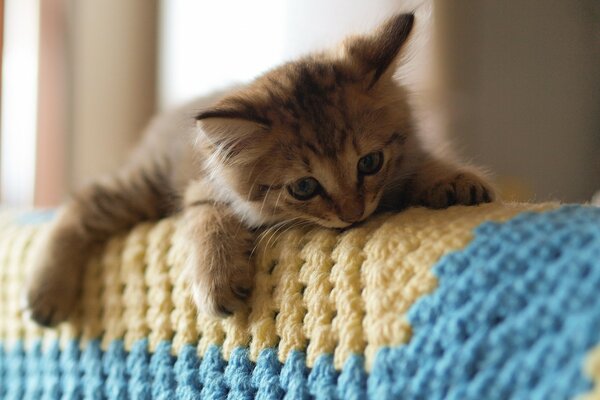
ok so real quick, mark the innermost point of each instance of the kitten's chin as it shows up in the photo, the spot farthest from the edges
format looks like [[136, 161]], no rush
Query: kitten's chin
[[335, 224], [340, 224], [332, 224]]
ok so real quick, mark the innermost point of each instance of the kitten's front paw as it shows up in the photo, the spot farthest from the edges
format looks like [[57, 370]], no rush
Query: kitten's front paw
[[50, 296], [463, 188], [223, 289]]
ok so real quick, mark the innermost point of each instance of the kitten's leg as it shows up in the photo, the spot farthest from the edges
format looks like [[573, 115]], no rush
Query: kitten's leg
[[219, 257], [440, 184], [92, 216]]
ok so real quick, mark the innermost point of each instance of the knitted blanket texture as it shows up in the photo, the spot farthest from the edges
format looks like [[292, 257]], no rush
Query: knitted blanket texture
[[499, 301]]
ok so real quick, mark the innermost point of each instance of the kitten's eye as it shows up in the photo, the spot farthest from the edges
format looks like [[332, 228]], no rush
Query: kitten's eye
[[304, 188], [371, 163]]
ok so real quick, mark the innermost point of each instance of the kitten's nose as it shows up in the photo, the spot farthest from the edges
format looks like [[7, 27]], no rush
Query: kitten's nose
[[351, 211]]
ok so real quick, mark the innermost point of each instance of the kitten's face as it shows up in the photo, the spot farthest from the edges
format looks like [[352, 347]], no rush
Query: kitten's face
[[317, 140]]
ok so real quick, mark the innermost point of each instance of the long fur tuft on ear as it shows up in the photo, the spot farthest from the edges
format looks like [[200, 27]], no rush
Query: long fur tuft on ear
[[377, 53], [233, 128], [228, 113]]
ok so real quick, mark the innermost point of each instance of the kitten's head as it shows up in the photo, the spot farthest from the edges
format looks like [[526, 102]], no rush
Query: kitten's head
[[318, 139]]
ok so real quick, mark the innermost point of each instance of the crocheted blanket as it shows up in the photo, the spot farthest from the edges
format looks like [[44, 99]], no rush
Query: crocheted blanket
[[490, 302]]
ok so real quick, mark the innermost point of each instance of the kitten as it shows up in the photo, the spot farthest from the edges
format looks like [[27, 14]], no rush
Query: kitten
[[327, 139]]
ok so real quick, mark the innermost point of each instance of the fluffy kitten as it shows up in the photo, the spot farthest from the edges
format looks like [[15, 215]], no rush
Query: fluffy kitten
[[327, 139]]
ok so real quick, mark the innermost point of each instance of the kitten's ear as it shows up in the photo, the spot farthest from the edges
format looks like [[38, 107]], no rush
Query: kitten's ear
[[230, 113], [376, 54], [231, 127]]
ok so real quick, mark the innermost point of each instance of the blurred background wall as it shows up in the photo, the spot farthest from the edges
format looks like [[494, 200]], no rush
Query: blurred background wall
[[522, 87], [113, 85], [79, 84], [515, 84]]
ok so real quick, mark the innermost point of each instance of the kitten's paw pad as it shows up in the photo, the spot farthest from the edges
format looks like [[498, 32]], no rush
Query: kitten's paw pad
[[241, 292], [223, 295], [48, 304], [464, 188], [220, 301]]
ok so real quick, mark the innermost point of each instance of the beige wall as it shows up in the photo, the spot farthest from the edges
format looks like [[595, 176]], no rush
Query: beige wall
[[112, 96], [523, 87]]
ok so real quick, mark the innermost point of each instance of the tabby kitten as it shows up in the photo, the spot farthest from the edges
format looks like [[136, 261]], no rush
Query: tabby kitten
[[327, 139]]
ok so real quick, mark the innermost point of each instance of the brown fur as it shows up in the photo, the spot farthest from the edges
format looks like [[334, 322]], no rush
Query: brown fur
[[315, 117]]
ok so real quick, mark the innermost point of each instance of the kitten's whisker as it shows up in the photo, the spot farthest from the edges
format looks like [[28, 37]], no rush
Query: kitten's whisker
[[293, 226], [271, 231], [276, 203], [263, 234], [242, 220], [265, 199], [273, 236], [253, 182], [225, 158]]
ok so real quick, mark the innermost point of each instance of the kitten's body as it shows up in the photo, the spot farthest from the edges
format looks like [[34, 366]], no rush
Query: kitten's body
[[325, 140]]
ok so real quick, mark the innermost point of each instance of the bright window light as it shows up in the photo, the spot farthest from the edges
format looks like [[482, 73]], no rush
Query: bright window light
[[19, 101], [206, 45]]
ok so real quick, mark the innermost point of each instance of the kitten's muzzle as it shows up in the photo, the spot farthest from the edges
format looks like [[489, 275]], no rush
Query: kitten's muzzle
[[351, 211]]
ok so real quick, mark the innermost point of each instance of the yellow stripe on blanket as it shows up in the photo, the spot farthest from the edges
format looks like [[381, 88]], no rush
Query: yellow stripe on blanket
[[591, 369], [316, 290]]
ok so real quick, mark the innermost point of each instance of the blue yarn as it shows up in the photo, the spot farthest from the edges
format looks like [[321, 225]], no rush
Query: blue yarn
[[36, 217], [352, 382], [140, 381], [322, 380], [266, 376], [162, 369], [513, 317], [294, 376], [3, 360], [238, 375], [92, 371], [51, 371], [115, 369], [33, 385], [71, 378], [16, 375], [211, 375], [186, 371]]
